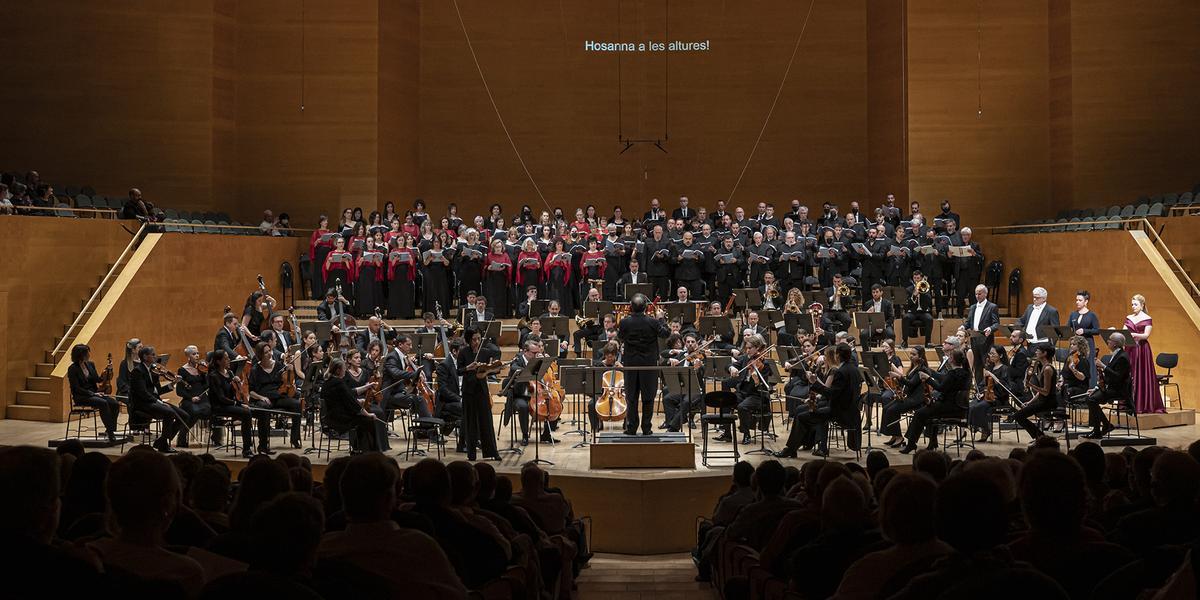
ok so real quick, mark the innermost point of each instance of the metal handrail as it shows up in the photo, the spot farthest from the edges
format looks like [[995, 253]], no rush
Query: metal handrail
[[87, 306], [1064, 224], [218, 226], [105, 212]]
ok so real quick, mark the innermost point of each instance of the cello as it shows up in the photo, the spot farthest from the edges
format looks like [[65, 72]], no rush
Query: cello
[[547, 400], [611, 406]]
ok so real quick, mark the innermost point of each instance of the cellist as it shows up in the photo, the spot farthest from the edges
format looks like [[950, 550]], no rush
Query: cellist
[[610, 358], [520, 394]]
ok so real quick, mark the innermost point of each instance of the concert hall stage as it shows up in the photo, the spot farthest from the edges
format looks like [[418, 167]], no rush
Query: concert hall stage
[[633, 511]]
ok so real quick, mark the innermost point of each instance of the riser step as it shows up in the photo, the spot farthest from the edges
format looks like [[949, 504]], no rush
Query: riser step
[[38, 384]]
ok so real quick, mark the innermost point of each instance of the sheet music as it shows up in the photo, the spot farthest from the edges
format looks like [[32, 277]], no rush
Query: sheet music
[[961, 251], [402, 257]]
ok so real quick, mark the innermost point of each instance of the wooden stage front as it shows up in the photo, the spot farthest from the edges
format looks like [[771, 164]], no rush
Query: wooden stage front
[[633, 511]]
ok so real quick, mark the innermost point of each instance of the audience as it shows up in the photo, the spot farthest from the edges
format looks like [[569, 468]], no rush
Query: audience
[[1041, 523]]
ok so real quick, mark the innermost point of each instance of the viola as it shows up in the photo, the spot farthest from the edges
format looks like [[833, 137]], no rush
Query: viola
[[105, 384]]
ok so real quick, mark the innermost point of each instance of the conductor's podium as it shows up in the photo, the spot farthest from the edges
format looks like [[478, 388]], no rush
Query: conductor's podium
[[614, 450]]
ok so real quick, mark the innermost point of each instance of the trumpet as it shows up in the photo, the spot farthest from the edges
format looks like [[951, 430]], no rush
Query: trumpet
[[771, 294], [582, 321]]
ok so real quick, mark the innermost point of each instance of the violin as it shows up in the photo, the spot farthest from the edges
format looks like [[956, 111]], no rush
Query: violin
[[105, 384], [161, 371]]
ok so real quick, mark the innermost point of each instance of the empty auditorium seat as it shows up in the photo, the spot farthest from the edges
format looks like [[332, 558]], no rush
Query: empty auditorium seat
[[1156, 210], [1127, 211]]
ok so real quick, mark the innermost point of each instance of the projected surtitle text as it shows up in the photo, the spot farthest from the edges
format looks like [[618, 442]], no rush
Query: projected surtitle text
[[674, 46]]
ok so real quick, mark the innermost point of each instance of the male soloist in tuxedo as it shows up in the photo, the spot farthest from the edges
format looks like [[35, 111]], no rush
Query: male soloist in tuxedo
[[982, 317], [1116, 388], [1037, 315]]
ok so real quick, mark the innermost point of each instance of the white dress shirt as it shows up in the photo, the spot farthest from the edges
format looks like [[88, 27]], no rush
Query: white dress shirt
[[978, 316], [1031, 327]]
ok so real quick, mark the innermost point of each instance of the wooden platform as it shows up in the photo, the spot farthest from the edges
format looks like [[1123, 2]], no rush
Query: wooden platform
[[613, 450], [1177, 418]]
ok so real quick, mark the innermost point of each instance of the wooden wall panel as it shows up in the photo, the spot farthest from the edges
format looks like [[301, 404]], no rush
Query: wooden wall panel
[[111, 94], [561, 104], [177, 296], [399, 100], [887, 101], [993, 166], [51, 267], [1052, 261], [323, 158], [1134, 86]]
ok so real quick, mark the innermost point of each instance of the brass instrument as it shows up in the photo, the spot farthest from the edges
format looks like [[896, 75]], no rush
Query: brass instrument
[[843, 290], [815, 309], [922, 286], [772, 293], [582, 321]]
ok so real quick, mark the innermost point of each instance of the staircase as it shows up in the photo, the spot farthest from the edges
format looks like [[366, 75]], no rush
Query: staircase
[[34, 403], [646, 577]]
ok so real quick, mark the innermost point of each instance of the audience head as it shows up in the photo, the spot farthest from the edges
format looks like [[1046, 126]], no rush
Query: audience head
[[143, 495], [932, 463], [260, 482], [429, 482], [843, 506], [368, 488], [464, 483], [743, 473], [970, 513], [31, 514], [1175, 480], [876, 462], [1053, 494], [768, 478], [285, 534], [906, 509]]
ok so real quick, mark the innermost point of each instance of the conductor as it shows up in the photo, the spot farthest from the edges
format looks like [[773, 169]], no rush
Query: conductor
[[639, 333]]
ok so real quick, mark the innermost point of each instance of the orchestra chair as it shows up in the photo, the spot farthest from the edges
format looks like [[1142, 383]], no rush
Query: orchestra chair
[[145, 435], [1168, 362], [723, 402], [419, 427], [1000, 414], [836, 434], [957, 424], [764, 427], [324, 438], [232, 428], [77, 415]]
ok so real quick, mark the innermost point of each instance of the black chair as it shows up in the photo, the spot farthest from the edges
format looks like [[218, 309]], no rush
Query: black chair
[[231, 433], [1168, 362], [145, 435], [724, 403], [77, 415], [957, 424]]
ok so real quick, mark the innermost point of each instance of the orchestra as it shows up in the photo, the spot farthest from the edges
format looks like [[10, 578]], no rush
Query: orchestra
[[756, 292]]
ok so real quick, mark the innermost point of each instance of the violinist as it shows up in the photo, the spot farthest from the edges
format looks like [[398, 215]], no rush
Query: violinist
[[610, 358], [266, 379], [909, 396], [145, 397], [85, 389], [223, 399], [840, 387], [953, 384], [689, 401], [748, 376], [477, 427], [192, 388], [449, 405], [1040, 381], [344, 414], [1114, 386], [1076, 373], [374, 357], [798, 389], [996, 377], [359, 379], [1019, 356], [890, 383]]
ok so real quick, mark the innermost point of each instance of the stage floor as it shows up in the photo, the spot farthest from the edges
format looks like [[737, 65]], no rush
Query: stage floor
[[633, 511]]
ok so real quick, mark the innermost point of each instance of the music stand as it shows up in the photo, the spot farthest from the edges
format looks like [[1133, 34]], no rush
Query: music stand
[[1064, 332], [1006, 330], [772, 318], [1107, 333], [717, 367], [489, 329], [872, 376], [424, 343], [533, 374], [898, 295], [745, 298], [684, 311], [633, 289], [558, 327], [1049, 333], [573, 381], [597, 310], [794, 322], [869, 322], [682, 381], [537, 308], [718, 326]]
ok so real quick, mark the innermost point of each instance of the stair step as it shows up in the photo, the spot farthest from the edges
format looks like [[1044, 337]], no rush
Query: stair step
[[43, 369], [38, 384], [28, 413], [33, 398]]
